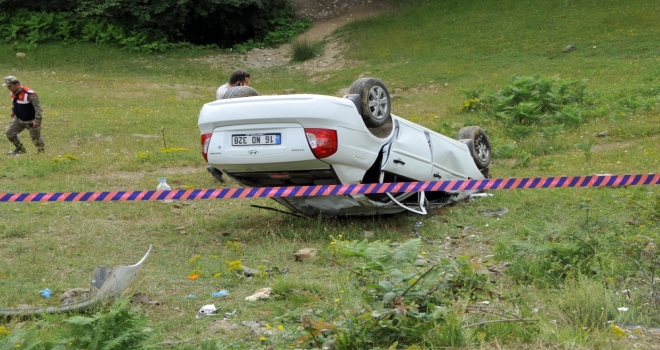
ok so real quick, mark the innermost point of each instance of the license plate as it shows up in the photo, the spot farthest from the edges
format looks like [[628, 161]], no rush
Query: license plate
[[256, 139]]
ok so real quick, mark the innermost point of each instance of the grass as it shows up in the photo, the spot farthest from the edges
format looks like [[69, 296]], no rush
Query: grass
[[108, 108], [303, 50]]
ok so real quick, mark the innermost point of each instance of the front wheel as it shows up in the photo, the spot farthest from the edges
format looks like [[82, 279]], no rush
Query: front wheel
[[480, 148], [375, 101]]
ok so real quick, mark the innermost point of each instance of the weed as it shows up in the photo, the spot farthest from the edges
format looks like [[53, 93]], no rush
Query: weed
[[586, 304], [523, 159], [550, 132], [504, 151], [519, 132], [303, 50], [586, 149]]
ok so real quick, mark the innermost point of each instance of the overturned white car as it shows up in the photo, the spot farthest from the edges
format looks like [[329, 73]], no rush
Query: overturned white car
[[304, 139]]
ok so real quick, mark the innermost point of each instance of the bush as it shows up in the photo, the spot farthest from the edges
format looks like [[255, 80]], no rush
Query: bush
[[140, 26], [537, 100]]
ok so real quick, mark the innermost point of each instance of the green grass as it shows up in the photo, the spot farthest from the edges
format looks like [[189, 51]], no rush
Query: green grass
[[108, 108], [303, 50]]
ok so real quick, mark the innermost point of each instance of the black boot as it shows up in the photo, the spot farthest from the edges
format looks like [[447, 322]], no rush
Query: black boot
[[20, 149]]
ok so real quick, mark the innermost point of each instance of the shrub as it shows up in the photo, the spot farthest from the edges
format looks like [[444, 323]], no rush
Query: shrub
[[536, 100], [138, 26]]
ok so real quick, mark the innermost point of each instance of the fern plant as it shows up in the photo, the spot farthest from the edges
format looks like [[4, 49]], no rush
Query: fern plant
[[122, 327]]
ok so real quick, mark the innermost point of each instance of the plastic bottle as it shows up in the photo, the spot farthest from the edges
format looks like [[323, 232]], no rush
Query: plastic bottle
[[163, 186]]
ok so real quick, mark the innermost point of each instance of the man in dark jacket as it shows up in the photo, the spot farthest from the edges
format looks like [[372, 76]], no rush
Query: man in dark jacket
[[26, 113]]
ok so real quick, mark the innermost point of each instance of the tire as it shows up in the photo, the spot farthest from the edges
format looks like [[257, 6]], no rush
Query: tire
[[480, 145], [375, 101], [240, 91]]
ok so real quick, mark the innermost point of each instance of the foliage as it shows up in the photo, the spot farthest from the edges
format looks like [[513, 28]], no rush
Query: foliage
[[403, 299], [587, 303], [25, 29], [120, 327], [600, 248], [285, 28], [138, 27], [538, 100]]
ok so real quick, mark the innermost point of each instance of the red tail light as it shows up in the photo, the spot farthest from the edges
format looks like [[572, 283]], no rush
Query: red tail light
[[206, 140], [323, 142]]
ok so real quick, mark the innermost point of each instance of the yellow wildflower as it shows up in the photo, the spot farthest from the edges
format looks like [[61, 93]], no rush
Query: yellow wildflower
[[235, 265], [194, 259], [618, 331]]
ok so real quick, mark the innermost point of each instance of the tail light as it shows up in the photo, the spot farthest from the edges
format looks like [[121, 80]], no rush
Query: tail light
[[206, 140], [323, 142]]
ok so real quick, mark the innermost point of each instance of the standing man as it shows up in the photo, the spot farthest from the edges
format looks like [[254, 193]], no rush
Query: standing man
[[238, 78], [26, 113]]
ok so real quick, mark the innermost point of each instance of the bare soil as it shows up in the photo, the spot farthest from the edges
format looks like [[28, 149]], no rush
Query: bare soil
[[326, 17]]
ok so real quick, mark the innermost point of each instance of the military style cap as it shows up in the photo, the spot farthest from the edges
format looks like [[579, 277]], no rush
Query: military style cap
[[9, 80]]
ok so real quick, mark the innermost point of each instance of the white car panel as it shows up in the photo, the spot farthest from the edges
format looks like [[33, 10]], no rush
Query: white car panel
[[449, 159], [410, 155]]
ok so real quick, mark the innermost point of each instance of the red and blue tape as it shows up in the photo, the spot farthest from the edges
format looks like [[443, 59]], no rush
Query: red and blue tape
[[336, 190]]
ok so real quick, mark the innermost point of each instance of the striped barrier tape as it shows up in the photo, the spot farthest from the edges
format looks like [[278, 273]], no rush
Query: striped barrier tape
[[336, 190]]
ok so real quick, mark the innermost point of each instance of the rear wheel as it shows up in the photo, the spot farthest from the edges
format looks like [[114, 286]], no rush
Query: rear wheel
[[375, 101], [240, 91], [480, 148]]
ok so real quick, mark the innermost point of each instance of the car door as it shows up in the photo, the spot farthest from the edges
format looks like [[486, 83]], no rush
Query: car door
[[451, 159], [409, 153]]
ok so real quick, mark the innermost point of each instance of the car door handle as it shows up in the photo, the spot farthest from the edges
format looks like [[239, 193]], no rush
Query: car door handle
[[399, 161], [437, 175]]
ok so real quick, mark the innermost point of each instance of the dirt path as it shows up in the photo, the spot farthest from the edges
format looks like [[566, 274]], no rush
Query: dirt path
[[326, 17]]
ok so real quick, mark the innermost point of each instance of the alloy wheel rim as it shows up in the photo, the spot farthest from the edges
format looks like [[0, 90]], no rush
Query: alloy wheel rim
[[378, 104]]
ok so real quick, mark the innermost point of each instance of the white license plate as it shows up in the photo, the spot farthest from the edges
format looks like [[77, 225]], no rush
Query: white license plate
[[256, 139]]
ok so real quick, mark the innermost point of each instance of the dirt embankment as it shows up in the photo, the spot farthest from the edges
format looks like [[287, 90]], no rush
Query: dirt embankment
[[322, 10], [326, 16]]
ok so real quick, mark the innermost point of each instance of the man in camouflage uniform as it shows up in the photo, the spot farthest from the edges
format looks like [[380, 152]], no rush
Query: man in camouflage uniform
[[26, 113]]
